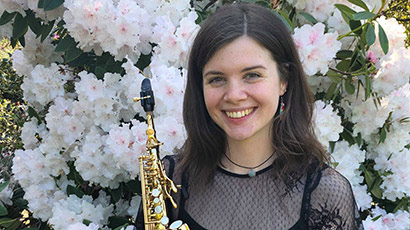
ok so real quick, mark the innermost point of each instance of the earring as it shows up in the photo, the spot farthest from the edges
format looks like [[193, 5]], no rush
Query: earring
[[282, 105]]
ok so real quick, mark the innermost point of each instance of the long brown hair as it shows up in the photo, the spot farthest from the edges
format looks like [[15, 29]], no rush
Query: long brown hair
[[293, 137]]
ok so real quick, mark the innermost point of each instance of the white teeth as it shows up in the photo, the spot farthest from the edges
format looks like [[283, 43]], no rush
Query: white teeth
[[239, 114]]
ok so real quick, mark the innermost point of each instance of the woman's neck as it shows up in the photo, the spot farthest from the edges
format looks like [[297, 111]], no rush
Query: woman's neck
[[248, 153]]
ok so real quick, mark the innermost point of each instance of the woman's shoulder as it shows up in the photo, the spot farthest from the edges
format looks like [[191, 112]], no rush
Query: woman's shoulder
[[332, 201], [332, 181]]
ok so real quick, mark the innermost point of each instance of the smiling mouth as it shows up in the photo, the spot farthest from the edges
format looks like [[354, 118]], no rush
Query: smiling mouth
[[239, 114]]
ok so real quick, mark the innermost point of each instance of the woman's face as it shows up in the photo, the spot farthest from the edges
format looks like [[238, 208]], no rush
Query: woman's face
[[241, 89]]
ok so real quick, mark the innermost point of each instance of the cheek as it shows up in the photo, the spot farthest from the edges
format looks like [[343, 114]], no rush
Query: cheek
[[211, 99]]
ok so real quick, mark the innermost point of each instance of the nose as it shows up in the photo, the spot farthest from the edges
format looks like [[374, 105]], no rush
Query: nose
[[235, 92]]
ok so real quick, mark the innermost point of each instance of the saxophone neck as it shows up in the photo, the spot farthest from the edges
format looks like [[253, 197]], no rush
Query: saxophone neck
[[152, 141]]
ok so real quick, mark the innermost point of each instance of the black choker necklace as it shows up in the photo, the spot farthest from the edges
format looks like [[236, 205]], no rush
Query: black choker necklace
[[251, 172]]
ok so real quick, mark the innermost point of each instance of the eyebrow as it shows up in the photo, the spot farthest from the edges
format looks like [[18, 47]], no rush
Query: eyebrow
[[214, 72]]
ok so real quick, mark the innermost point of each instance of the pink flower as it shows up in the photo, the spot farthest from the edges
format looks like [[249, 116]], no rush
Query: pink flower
[[371, 57]]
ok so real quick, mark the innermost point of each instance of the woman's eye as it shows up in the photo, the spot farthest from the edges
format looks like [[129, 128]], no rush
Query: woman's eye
[[215, 80], [252, 76]]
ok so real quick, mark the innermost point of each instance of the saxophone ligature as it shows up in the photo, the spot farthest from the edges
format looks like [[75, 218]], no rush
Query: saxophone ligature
[[155, 185]]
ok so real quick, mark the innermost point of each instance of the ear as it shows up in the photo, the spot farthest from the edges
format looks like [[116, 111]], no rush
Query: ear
[[283, 87]]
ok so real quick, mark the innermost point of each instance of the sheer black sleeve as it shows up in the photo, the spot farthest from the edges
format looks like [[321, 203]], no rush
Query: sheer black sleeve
[[332, 204]]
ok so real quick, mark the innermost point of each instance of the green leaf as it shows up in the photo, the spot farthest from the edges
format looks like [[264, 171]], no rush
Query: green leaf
[[368, 87], [13, 42], [334, 76], [4, 185], [383, 134], [10, 224], [359, 140], [99, 72], [363, 15], [121, 227], [134, 186], [52, 4], [22, 41], [116, 193], [73, 190], [5, 220], [343, 54], [86, 222], [331, 91], [354, 25], [369, 178], [61, 23], [308, 17], [33, 22], [348, 136], [20, 26], [3, 210], [384, 41], [142, 62], [376, 190], [347, 13], [40, 4], [403, 203], [350, 89], [6, 17], [116, 221], [359, 3], [65, 44], [370, 35], [32, 113], [72, 54], [354, 58], [343, 65], [46, 30]]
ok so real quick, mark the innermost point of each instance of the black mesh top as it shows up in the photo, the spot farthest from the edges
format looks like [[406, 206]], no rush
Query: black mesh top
[[319, 200]]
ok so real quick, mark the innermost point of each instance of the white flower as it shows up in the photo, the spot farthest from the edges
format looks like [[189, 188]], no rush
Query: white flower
[[315, 47], [348, 160], [134, 206], [44, 84], [363, 199], [394, 31], [394, 71], [41, 198], [81, 226], [74, 210], [319, 9], [46, 15], [94, 164], [6, 31], [367, 113], [29, 131], [396, 184], [327, 123], [337, 23], [387, 221], [35, 52], [14, 5], [89, 87]]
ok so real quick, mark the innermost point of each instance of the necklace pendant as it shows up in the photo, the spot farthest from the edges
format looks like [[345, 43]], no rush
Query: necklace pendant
[[252, 173]]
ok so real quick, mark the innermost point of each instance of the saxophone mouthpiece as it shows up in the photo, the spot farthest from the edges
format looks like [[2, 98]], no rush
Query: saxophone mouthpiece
[[147, 96]]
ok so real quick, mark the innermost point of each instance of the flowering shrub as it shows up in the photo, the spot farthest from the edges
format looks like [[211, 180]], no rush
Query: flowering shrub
[[83, 62]]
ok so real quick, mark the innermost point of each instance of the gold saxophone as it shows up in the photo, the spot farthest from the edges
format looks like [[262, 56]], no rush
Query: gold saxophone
[[155, 184]]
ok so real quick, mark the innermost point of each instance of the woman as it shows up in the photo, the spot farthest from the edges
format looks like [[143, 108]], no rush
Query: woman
[[251, 159]]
